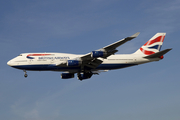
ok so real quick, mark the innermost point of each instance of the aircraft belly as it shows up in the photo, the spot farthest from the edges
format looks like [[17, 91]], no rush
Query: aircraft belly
[[56, 68], [113, 66], [45, 68]]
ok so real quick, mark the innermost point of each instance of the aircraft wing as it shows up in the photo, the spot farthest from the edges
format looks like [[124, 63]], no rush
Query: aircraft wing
[[113, 46], [95, 58], [110, 49], [92, 63]]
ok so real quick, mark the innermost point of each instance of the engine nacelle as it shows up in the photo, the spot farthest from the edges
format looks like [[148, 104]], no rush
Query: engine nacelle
[[73, 63], [82, 76], [67, 75], [96, 54]]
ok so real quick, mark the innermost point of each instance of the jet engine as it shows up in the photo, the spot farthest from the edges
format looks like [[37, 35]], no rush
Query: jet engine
[[67, 75], [96, 54], [73, 63]]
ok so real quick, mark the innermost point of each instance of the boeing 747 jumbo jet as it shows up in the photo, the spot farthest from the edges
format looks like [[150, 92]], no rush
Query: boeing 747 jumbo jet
[[97, 61]]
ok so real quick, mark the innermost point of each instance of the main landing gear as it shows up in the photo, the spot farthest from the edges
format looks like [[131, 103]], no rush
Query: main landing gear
[[84, 75], [25, 74]]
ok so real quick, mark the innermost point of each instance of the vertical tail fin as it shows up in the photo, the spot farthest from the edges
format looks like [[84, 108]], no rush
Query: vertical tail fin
[[152, 46]]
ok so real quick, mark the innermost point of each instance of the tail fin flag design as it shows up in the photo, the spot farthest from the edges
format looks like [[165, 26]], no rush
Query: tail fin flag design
[[153, 45]]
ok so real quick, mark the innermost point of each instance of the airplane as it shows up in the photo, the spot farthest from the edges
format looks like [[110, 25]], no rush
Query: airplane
[[101, 60]]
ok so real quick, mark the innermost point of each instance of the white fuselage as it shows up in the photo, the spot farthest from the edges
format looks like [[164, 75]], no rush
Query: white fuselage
[[49, 61]]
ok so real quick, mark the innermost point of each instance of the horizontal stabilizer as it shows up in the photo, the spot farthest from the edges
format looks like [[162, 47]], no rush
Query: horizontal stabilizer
[[158, 54]]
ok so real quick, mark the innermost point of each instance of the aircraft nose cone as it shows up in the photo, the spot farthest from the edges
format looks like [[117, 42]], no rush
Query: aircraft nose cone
[[9, 63]]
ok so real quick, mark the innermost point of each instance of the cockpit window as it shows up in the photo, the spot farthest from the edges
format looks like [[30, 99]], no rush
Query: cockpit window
[[20, 55]]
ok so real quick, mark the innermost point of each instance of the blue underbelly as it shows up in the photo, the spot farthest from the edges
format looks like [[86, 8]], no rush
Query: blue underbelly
[[57, 68]]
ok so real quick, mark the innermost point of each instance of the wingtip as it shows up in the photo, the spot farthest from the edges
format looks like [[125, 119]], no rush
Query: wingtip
[[169, 49], [135, 35]]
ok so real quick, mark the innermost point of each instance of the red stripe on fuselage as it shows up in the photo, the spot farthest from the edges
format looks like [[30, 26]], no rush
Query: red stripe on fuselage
[[38, 54]]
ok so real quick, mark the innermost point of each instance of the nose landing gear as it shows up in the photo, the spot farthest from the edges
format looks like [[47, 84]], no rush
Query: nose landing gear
[[25, 74]]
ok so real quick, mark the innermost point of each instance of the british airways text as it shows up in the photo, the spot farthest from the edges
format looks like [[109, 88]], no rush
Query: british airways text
[[54, 58]]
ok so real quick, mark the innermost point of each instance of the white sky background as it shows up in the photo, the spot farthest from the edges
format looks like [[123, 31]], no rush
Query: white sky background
[[149, 91]]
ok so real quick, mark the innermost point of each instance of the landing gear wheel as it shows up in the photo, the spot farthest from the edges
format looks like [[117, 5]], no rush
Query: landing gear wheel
[[79, 76], [25, 75], [84, 75]]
